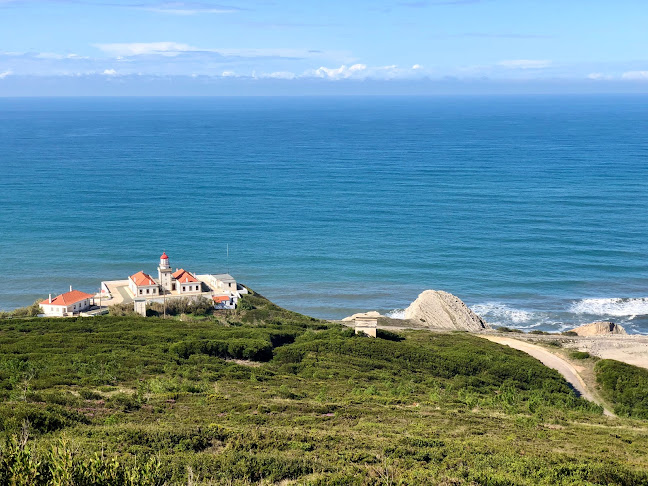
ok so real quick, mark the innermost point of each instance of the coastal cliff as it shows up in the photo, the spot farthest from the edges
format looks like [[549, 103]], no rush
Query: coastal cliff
[[442, 310]]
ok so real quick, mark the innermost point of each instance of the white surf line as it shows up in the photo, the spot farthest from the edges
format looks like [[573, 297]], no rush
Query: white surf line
[[551, 361]]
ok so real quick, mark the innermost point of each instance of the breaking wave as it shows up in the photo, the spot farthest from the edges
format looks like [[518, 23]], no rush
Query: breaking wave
[[498, 312], [396, 314], [616, 307]]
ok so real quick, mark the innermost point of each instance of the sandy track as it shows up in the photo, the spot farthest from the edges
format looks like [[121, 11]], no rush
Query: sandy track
[[552, 361]]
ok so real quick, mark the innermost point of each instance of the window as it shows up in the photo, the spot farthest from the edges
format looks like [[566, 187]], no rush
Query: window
[[148, 291], [140, 291]]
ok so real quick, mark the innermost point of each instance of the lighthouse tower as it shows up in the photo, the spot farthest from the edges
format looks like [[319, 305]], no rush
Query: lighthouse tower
[[164, 272]]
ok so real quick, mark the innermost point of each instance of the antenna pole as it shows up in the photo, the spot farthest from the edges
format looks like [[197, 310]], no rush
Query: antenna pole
[[228, 258]]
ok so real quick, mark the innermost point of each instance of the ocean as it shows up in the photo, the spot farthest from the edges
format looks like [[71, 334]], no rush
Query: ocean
[[533, 210]]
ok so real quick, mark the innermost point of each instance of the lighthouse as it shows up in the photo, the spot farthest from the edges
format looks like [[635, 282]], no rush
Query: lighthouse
[[165, 273]]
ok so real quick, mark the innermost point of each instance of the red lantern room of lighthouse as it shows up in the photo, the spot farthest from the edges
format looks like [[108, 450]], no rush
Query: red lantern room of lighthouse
[[164, 273]]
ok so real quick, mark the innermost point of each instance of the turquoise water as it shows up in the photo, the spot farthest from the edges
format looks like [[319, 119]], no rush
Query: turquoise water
[[534, 210]]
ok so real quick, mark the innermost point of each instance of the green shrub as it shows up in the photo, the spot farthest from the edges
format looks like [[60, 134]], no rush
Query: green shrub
[[122, 310], [197, 306], [626, 386], [244, 303], [569, 333], [553, 343], [508, 329], [125, 402], [580, 355], [40, 419], [388, 335], [29, 311], [252, 349]]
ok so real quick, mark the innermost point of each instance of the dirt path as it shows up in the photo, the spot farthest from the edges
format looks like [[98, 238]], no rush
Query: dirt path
[[552, 361]]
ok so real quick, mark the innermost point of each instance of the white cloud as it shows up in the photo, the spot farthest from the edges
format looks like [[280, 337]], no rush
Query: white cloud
[[342, 72], [53, 55], [599, 76], [109, 72], [145, 48], [172, 49], [5, 74], [281, 75], [362, 71], [228, 74], [525, 64], [635, 75]]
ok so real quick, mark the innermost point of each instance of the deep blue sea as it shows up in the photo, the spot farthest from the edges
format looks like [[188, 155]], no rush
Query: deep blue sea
[[533, 210]]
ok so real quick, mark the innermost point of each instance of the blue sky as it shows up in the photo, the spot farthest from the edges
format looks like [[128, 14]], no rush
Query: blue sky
[[569, 44]]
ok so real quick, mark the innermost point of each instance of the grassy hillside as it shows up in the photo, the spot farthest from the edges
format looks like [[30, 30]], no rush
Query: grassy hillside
[[265, 396]]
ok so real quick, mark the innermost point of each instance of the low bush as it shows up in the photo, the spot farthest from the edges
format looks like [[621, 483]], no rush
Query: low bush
[[508, 329], [388, 335], [197, 306], [626, 386], [580, 355], [252, 349]]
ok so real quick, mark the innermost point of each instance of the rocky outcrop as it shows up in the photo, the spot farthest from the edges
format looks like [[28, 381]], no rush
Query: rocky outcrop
[[441, 310], [599, 329], [361, 314]]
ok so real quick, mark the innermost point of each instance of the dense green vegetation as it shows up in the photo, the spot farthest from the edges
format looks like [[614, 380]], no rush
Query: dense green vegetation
[[29, 311], [265, 395], [626, 386]]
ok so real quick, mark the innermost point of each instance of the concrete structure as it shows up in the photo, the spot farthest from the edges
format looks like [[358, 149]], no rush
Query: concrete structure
[[67, 304], [367, 325], [224, 282]]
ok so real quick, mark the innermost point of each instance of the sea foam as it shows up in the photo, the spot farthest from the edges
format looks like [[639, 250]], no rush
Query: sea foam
[[614, 307], [498, 313], [396, 314]]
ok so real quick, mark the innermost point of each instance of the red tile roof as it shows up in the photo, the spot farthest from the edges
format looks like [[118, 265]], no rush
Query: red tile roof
[[68, 298], [141, 278], [220, 298], [183, 276]]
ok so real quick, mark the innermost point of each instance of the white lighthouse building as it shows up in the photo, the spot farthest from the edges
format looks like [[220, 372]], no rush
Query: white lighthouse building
[[165, 274]]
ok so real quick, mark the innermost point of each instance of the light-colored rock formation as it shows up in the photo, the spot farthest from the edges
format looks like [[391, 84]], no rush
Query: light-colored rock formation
[[361, 314], [438, 309], [601, 328]]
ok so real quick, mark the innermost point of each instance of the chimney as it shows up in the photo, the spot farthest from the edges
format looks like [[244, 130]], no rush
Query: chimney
[[50, 299], [70, 288]]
